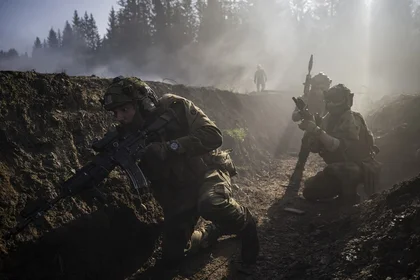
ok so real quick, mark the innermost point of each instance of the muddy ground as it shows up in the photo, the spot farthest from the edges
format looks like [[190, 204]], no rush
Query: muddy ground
[[49, 121]]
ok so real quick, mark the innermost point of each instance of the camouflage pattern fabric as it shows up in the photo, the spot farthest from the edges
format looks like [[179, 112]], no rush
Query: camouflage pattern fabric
[[187, 187], [352, 163], [339, 178], [215, 204]]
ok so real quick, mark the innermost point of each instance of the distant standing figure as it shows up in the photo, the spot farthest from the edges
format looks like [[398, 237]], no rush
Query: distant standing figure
[[260, 78]]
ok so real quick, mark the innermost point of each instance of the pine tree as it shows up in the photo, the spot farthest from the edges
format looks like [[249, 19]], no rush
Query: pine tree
[[91, 33], [12, 53], [160, 23], [84, 27], [211, 23], [77, 22], [59, 38], [67, 38], [36, 49], [190, 21], [78, 26], [134, 20], [111, 31], [52, 39]]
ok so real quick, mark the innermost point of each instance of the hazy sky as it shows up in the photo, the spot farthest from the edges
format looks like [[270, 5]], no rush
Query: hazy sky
[[21, 21]]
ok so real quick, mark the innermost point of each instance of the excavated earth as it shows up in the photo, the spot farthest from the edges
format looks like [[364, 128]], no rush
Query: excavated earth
[[48, 122], [395, 123]]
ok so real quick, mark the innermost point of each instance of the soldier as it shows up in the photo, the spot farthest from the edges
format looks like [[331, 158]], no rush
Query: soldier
[[346, 144], [260, 78], [316, 106], [189, 176]]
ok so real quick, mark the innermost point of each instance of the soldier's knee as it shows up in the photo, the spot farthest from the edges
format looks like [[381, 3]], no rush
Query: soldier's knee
[[319, 187], [214, 200], [331, 170], [310, 192], [343, 173]]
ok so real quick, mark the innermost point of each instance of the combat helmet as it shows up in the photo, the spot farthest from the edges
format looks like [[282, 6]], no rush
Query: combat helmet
[[338, 99], [124, 90], [321, 80]]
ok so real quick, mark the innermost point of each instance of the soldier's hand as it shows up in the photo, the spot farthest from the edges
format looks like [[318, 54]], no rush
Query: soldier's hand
[[156, 151], [308, 126], [296, 116]]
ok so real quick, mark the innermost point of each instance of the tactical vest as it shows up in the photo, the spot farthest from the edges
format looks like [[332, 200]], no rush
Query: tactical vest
[[184, 169], [358, 150]]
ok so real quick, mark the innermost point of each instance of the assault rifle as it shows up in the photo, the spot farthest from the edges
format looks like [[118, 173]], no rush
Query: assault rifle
[[303, 108], [114, 149], [304, 111]]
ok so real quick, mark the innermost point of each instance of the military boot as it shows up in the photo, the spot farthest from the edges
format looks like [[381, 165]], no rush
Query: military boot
[[203, 238], [249, 238]]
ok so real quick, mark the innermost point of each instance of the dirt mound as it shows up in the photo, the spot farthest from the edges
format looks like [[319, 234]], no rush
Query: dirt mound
[[397, 130], [48, 123], [379, 239], [374, 240]]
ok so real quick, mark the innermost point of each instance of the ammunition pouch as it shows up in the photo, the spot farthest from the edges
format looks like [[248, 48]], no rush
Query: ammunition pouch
[[220, 159]]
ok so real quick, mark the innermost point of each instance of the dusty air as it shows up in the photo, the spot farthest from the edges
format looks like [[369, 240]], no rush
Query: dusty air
[[210, 139]]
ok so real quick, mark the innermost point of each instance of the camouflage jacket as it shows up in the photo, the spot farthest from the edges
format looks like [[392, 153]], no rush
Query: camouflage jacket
[[356, 140], [176, 181]]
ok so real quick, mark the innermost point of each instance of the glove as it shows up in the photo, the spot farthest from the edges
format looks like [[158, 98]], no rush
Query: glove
[[156, 151], [296, 116], [309, 126]]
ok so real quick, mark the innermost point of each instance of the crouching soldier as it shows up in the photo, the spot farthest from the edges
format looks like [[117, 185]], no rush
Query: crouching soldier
[[316, 106], [189, 176], [346, 144]]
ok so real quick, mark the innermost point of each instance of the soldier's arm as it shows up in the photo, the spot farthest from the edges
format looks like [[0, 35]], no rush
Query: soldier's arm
[[314, 145], [346, 134], [296, 115], [203, 135]]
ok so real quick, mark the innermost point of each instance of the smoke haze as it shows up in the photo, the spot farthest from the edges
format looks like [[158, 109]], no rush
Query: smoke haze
[[371, 46]]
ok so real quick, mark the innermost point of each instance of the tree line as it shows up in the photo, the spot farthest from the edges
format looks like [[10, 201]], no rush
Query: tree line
[[218, 42]]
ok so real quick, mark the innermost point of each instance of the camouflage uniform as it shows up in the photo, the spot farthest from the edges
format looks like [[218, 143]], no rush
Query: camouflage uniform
[[260, 78], [316, 106], [194, 180], [346, 144]]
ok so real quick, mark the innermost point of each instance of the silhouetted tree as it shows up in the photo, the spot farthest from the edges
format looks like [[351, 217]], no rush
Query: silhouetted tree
[[52, 39]]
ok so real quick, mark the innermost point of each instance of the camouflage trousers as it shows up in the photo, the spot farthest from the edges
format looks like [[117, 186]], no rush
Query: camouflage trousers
[[215, 204], [303, 152], [337, 179]]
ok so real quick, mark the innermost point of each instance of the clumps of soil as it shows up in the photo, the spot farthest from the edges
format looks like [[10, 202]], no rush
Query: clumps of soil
[[397, 130], [380, 240], [48, 124], [374, 240]]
